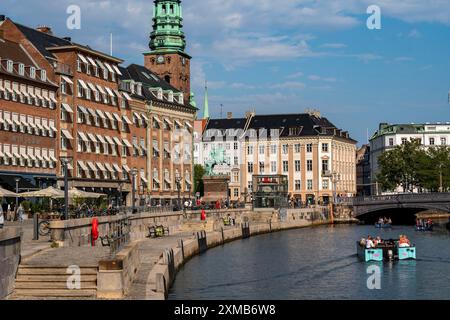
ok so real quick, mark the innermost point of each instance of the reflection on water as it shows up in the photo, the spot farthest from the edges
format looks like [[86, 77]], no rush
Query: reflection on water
[[316, 263]]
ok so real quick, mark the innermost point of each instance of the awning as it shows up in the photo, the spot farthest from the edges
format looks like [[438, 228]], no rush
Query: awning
[[109, 67], [92, 112], [66, 107], [93, 88], [188, 181], [117, 92], [127, 120], [92, 166], [110, 92], [52, 98], [32, 157], [168, 122], [92, 137], [156, 118], [110, 141], [17, 122], [117, 69], [178, 123], [83, 84], [145, 117], [39, 126], [101, 114], [108, 167], [16, 155], [83, 110], [127, 143], [66, 79], [100, 166], [82, 58], [82, 165], [92, 62], [23, 90], [144, 179], [189, 125], [117, 117], [8, 121], [53, 158], [83, 136], [109, 115], [117, 141], [156, 180], [101, 139], [168, 181], [100, 88], [66, 134], [127, 96], [117, 168], [137, 116], [126, 168], [24, 155], [8, 154], [100, 64], [156, 148]]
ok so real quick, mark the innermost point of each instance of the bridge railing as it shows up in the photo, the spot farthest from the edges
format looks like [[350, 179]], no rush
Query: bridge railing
[[403, 197]]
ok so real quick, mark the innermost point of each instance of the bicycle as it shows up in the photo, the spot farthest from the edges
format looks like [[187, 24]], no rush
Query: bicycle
[[44, 228]]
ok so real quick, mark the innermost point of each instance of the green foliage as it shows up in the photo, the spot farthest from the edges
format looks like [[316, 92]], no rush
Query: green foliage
[[411, 166], [199, 172]]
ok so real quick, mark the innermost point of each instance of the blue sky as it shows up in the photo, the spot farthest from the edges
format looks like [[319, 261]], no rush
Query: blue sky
[[288, 55]]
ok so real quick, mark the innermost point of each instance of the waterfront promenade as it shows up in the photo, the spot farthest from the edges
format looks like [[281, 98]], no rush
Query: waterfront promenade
[[148, 265]]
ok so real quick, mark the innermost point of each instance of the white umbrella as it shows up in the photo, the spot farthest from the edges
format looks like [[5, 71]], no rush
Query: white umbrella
[[45, 193], [75, 193], [7, 194]]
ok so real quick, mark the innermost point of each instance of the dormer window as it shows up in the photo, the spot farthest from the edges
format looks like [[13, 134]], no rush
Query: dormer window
[[43, 75], [9, 66], [32, 72], [160, 94], [139, 89], [21, 69], [170, 96]]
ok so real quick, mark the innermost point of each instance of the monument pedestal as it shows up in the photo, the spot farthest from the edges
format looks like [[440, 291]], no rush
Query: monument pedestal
[[216, 188]]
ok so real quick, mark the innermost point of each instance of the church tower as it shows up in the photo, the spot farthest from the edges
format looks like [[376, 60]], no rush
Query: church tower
[[168, 58]]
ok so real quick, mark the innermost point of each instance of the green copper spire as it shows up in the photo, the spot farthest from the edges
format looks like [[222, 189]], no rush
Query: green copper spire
[[167, 32], [206, 109]]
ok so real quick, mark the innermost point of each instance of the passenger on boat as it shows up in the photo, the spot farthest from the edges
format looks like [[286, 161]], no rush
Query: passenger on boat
[[369, 243], [380, 221], [389, 221], [378, 241], [404, 242], [429, 223], [362, 242]]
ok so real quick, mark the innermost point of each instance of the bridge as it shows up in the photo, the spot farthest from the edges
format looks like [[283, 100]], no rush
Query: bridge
[[368, 206]]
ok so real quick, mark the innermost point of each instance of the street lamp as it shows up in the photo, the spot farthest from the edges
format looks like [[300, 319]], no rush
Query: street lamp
[[119, 201], [133, 191], [65, 163], [17, 192], [178, 182]]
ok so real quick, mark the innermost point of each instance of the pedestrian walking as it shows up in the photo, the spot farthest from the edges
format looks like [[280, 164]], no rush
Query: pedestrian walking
[[2, 219], [20, 213], [9, 213]]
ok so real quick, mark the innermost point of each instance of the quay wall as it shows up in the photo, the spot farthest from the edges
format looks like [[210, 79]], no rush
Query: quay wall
[[10, 246]]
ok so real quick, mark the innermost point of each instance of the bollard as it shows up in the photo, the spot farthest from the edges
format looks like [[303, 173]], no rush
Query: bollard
[[181, 245], [35, 226]]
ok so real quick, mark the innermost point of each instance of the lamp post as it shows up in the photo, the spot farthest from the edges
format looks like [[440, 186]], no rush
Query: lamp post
[[17, 191], [65, 162], [178, 182], [133, 191], [335, 177], [119, 201]]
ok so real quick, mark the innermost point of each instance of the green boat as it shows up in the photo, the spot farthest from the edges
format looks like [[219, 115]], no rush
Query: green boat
[[388, 251], [367, 255]]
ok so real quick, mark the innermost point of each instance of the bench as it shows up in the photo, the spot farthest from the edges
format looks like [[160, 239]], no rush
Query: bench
[[158, 231]]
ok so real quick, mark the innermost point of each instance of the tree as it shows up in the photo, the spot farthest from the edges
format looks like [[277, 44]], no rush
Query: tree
[[411, 166], [199, 172]]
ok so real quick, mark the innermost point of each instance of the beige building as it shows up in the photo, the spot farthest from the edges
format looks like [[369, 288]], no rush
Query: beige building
[[317, 157]]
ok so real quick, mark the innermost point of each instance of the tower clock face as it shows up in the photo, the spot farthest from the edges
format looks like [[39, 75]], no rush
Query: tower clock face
[[160, 59]]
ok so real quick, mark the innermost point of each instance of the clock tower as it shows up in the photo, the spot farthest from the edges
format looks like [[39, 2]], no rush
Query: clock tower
[[167, 57]]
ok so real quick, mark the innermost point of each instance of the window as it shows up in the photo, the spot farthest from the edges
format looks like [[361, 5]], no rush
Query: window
[[309, 147], [443, 141], [250, 150], [324, 165], [432, 141], [297, 148], [236, 161], [285, 166], [43, 75], [250, 167], [298, 185], [324, 147], [273, 149], [236, 176], [21, 69], [273, 166], [310, 184], [404, 140], [261, 167], [391, 142], [63, 143], [32, 72], [325, 184], [309, 165], [285, 149], [297, 166], [262, 149], [9, 66], [236, 146]]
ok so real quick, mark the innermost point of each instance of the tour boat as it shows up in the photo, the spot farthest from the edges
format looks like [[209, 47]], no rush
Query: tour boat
[[389, 251], [369, 254], [383, 225], [424, 228]]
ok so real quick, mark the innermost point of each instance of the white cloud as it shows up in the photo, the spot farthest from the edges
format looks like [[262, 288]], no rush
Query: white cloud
[[289, 85]]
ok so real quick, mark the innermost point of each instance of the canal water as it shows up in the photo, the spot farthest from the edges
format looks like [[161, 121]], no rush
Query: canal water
[[317, 263]]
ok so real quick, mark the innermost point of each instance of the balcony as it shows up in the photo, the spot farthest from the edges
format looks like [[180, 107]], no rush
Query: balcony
[[62, 68]]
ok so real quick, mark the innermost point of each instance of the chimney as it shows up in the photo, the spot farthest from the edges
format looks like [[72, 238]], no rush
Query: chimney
[[2, 17], [45, 29], [229, 115]]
